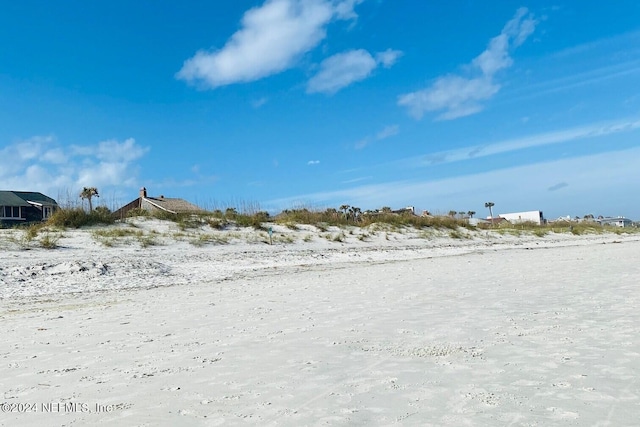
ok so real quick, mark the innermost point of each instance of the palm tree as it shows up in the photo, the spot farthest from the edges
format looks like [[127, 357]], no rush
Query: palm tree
[[490, 205], [471, 214], [344, 208], [452, 214], [88, 193], [356, 213]]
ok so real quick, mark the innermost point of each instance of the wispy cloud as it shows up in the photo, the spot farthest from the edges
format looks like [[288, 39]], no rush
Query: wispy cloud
[[271, 39], [257, 103], [459, 96], [385, 133], [388, 132], [537, 140], [313, 162], [42, 164], [341, 70], [354, 180]]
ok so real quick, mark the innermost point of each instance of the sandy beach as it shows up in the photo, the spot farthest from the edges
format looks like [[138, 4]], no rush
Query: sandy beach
[[389, 330]]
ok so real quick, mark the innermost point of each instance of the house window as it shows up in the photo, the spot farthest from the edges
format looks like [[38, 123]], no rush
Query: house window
[[46, 212], [11, 212]]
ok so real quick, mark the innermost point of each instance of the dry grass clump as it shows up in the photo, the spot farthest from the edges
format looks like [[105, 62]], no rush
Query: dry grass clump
[[204, 239], [49, 241], [77, 217], [27, 239], [112, 236]]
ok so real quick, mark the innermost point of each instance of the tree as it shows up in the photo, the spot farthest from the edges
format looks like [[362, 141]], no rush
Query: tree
[[356, 213], [344, 208], [88, 193], [452, 214], [490, 205], [471, 214]]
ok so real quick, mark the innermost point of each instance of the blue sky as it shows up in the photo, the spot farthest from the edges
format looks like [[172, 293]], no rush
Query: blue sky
[[318, 103]]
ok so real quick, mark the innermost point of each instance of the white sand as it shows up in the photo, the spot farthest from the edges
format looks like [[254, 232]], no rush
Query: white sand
[[486, 331]]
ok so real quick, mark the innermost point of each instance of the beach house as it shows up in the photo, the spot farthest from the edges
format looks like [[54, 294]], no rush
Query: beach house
[[535, 217], [21, 207], [159, 203], [616, 222]]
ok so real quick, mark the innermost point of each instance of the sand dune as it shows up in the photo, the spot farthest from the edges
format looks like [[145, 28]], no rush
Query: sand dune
[[395, 329]]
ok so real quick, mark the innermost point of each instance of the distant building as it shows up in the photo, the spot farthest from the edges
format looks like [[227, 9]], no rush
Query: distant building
[[519, 217], [616, 222], [408, 210], [20, 207], [160, 203]]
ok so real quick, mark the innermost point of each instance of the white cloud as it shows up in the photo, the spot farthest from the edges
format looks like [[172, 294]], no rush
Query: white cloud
[[313, 162], [458, 96], [42, 164], [345, 9], [388, 57], [342, 69], [271, 39]]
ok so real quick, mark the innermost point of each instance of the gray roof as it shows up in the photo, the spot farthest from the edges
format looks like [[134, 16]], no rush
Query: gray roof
[[22, 198], [173, 205]]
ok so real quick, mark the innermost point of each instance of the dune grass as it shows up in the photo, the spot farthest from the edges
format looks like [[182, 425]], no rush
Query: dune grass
[[77, 217]]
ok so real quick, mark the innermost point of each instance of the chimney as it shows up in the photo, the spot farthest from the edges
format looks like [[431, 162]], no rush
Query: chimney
[[143, 192]]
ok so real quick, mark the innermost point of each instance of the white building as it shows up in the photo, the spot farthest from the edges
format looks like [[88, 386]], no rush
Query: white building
[[518, 217], [616, 222]]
